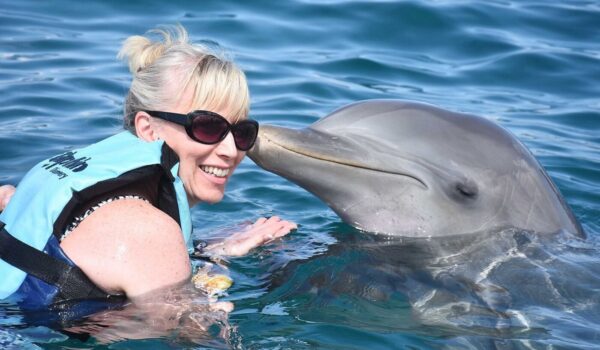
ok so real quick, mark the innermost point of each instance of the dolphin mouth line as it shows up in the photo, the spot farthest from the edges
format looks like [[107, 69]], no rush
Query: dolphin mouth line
[[349, 164]]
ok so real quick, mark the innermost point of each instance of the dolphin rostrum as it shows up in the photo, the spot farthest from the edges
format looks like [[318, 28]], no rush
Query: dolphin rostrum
[[414, 170]]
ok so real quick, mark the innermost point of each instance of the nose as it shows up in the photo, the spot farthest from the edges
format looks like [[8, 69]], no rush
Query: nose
[[226, 148]]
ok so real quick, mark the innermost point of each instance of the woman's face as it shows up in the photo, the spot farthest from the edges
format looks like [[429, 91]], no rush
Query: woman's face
[[203, 169]]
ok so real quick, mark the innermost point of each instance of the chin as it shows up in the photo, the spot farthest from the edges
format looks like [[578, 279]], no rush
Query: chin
[[212, 198]]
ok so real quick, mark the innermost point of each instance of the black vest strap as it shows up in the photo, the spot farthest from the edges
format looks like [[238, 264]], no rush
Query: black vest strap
[[71, 282], [106, 186], [167, 198]]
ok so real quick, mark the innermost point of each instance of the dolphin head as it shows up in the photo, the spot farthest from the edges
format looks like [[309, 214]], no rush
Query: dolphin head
[[414, 170]]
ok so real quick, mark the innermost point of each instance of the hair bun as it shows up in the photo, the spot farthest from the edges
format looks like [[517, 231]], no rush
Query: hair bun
[[140, 52]]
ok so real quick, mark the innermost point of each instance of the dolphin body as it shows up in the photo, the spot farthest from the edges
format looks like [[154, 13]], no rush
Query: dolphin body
[[413, 170]]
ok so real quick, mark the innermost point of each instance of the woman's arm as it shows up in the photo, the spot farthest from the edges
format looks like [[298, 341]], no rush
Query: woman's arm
[[132, 247], [262, 231], [129, 246], [240, 243], [126, 246], [176, 312]]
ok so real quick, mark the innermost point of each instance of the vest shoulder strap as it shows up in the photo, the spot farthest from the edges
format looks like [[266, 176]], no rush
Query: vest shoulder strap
[[71, 282]]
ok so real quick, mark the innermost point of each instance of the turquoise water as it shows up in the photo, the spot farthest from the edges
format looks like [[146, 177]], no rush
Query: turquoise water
[[531, 66]]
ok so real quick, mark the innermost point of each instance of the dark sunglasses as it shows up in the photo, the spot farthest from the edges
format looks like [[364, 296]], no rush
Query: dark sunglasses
[[209, 127]]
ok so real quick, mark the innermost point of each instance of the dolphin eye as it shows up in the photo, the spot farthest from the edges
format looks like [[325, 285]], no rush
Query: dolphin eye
[[466, 190]]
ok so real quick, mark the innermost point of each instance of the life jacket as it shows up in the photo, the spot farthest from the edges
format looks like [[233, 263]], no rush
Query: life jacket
[[42, 207]]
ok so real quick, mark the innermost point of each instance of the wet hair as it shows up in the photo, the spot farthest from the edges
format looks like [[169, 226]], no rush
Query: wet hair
[[164, 69]]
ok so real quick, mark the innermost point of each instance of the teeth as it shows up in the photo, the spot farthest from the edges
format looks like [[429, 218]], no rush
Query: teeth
[[218, 172]]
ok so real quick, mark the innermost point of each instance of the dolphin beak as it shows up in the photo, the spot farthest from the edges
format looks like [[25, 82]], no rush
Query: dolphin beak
[[307, 142], [278, 149], [265, 133]]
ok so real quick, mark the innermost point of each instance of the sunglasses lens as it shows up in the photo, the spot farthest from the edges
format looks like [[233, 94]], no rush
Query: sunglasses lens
[[209, 128], [244, 134]]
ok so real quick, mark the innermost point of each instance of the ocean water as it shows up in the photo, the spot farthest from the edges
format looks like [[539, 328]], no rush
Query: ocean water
[[531, 66]]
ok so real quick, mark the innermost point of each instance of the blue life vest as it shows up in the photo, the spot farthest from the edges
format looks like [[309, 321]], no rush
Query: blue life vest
[[43, 204]]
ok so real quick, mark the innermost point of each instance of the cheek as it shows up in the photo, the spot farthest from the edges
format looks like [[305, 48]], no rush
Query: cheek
[[192, 153], [239, 158]]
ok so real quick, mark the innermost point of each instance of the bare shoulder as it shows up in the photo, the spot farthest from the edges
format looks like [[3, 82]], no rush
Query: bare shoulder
[[129, 245]]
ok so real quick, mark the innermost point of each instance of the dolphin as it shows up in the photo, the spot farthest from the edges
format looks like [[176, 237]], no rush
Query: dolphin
[[414, 170]]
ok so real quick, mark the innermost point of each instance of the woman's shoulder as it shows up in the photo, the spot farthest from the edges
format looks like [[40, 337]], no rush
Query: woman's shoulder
[[125, 218], [129, 245]]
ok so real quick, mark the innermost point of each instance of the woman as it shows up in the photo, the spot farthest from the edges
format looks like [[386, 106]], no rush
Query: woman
[[114, 217]]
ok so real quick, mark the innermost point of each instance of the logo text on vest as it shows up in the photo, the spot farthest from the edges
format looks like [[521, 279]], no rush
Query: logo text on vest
[[64, 161]]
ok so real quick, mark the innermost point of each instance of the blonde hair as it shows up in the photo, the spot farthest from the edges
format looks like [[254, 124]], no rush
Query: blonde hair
[[164, 69]]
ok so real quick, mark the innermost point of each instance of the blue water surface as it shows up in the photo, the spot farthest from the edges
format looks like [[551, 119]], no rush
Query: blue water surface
[[531, 66]]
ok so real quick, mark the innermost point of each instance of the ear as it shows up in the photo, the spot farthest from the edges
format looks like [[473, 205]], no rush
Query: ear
[[144, 128]]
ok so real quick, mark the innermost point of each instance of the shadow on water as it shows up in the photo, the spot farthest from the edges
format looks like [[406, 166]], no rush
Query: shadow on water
[[508, 289]]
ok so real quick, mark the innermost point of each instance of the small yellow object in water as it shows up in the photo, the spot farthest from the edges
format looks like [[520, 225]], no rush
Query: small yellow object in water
[[214, 284]]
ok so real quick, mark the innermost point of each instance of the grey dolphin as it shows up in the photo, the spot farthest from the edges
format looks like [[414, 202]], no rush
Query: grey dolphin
[[414, 170]]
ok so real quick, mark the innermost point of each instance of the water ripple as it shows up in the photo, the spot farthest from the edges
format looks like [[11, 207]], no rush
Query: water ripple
[[532, 66]]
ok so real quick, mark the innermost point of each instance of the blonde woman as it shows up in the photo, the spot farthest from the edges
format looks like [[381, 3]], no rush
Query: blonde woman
[[111, 221]]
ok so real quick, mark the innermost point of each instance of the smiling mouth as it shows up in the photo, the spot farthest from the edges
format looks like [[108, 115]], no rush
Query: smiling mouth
[[214, 171]]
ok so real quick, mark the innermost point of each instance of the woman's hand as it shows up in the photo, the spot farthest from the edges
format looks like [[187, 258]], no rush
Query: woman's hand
[[6, 193], [262, 231], [179, 312]]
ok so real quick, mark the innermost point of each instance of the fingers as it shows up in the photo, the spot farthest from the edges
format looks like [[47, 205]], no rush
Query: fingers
[[7, 189], [225, 306], [263, 231], [274, 222], [284, 230], [260, 221], [271, 229], [6, 193]]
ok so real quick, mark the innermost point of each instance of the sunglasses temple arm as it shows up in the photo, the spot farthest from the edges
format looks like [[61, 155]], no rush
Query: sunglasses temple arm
[[170, 117]]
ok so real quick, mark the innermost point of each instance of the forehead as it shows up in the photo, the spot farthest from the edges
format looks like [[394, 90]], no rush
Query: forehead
[[224, 106], [225, 112], [186, 104]]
